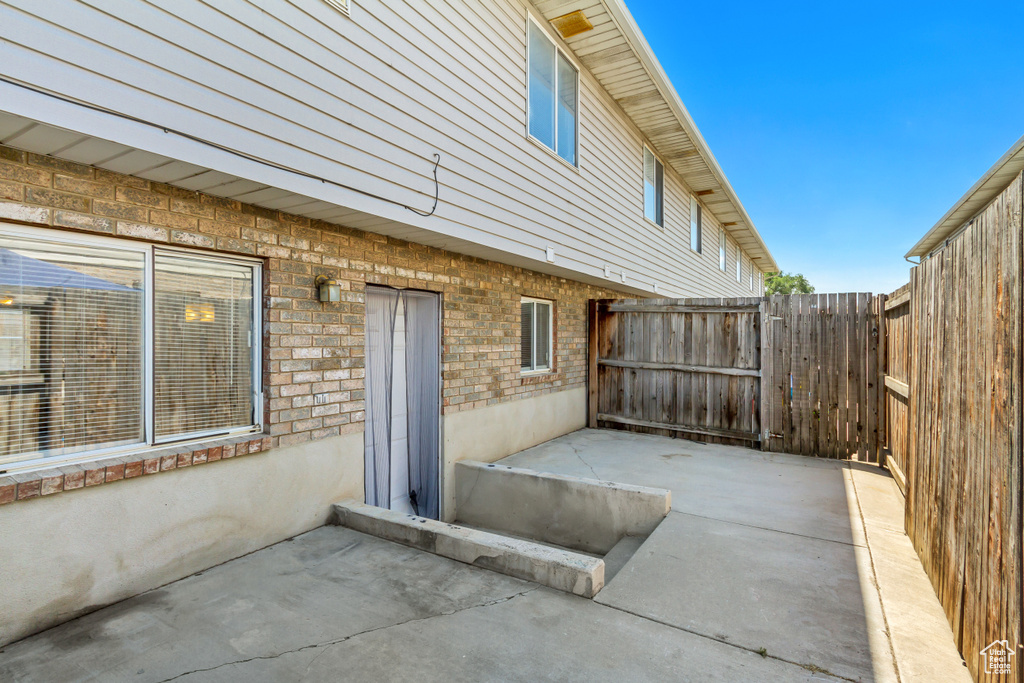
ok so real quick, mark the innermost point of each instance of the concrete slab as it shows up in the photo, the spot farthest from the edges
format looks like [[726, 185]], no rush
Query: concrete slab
[[787, 493], [798, 598], [327, 584], [921, 639], [760, 551], [335, 604], [810, 501], [539, 636]]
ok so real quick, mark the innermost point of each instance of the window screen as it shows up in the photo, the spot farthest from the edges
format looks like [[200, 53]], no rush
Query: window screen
[[695, 225], [203, 322], [553, 95], [654, 179], [536, 335], [80, 334], [71, 337]]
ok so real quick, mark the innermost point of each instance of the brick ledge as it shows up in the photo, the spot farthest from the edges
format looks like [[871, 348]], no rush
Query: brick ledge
[[104, 470]]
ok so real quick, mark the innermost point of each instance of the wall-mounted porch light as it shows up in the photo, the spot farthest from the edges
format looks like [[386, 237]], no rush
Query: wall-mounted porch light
[[330, 290]]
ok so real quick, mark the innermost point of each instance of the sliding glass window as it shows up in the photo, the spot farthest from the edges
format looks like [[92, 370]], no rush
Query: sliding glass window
[[654, 188], [107, 343], [553, 95]]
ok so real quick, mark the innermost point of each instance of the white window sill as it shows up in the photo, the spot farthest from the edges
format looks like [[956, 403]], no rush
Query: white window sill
[[555, 154]]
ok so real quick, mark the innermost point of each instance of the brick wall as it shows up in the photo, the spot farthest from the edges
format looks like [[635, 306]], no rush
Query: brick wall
[[309, 347]]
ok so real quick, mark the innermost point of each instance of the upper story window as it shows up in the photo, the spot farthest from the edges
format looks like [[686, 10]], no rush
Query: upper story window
[[654, 188], [552, 94], [536, 335], [739, 264], [696, 242], [751, 264], [721, 249], [107, 343]]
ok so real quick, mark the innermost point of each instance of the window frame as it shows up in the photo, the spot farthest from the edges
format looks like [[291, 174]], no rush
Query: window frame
[[576, 127], [659, 191], [739, 264], [551, 337], [723, 251], [696, 225], [146, 404]]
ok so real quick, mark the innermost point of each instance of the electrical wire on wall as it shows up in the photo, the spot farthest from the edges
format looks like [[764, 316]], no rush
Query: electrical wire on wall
[[234, 152]]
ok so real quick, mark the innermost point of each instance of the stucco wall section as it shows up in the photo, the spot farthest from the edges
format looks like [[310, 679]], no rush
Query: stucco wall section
[[497, 431]]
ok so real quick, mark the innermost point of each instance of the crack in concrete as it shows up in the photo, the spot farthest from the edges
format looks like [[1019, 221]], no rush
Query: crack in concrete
[[813, 668], [329, 643], [577, 452], [765, 528]]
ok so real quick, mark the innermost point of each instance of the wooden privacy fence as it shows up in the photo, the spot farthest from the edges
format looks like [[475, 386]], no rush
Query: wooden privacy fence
[[821, 372], [796, 374], [955, 346], [687, 367], [896, 437]]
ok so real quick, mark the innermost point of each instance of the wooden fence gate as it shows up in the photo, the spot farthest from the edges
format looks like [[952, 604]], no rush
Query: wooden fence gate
[[796, 374], [677, 367], [822, 375]]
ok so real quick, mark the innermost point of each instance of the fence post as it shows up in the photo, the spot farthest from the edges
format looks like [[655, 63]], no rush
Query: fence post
[[765, 378], [592, 351]]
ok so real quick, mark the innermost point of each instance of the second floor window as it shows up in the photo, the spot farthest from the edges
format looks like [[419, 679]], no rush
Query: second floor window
[[721, 249], [654, 188], [695, 225], [739, 264], [553, 94]]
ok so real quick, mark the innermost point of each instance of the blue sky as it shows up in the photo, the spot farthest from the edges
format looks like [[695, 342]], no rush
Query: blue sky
[[847, 129]]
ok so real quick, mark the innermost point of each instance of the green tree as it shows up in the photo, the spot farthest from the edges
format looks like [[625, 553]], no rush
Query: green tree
[[787, 283]]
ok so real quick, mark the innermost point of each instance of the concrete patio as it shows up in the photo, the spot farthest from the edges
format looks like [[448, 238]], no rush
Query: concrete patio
[[768, 568]]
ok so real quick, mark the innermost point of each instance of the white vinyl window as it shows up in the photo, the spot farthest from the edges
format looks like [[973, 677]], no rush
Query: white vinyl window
[[654, 188], [739, 264], [107, 344], [695, 225], [536, 335], [721, 249], [552, 94], [750, 263]]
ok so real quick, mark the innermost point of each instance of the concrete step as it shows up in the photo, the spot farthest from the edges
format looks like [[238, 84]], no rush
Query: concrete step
[[557, 568], [619, 555]]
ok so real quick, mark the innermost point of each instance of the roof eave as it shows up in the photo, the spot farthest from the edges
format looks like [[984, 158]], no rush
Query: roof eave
[[974, 200], [636, 40]]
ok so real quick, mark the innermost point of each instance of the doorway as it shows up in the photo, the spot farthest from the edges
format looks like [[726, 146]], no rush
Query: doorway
[[403, 400]]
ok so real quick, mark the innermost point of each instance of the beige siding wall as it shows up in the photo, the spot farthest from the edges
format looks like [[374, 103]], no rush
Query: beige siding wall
[[366, 101]]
